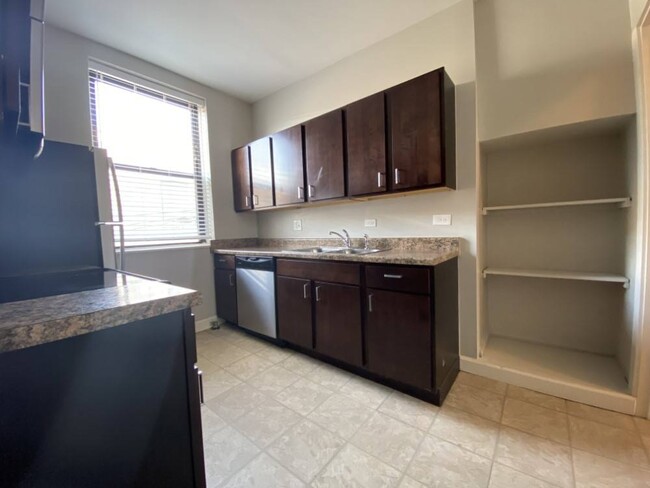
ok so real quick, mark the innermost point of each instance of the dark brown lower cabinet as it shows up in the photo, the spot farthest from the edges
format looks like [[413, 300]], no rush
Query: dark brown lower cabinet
[[293, 297], [398, 337], [338, 322], [225, 289]]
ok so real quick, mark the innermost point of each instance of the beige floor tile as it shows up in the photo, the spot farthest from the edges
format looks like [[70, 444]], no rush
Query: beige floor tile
[[354, 468], [608, 417], [469, 431], [389, 440], [597, 472], [505, 477], [541, 458], [224, 332], [611, 442], [440, 463], [477, 401], [536, 420], [341, 415], [207, 366], [409, 410], [273, 380], [305, 449], [263, 472], [225, 354], [646, 442], [408, 482], [536, 398], [250, 366], [266, 422], [329, 377], [367, 392], [225, 453], [211, 423], [482, 382], [237, 401], [217, 382], [303, 396], [300, 364], [274, 354], [643, 425], [249, 343]]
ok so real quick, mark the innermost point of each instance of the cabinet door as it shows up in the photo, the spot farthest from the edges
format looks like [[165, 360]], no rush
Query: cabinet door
[[294, 311], [338, 322], [225, 288], [262, 173], [398, 337], [288, 166], [415, 132], [366, 138], [324, 156], [241, 179]]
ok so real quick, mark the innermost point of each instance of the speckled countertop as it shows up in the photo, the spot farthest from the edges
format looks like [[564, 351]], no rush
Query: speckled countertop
[[422, 251], [37, 321]]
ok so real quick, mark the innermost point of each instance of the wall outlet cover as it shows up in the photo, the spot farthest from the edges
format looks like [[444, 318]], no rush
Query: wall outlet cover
[[297, 224], [370, 223], [444, 219]]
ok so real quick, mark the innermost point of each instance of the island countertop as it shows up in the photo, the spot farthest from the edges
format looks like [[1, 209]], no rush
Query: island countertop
[[27, 323], [420, 251]]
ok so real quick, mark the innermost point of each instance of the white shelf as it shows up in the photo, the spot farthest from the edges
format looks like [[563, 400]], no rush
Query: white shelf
[[558, 275], [621, 202], [580, 376]]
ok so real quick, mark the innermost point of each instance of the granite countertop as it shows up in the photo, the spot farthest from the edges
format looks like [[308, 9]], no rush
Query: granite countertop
[[422, 251], [37, 321]]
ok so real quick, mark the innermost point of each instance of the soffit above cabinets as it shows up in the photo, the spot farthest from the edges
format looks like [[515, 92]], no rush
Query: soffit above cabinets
[[248, 49]]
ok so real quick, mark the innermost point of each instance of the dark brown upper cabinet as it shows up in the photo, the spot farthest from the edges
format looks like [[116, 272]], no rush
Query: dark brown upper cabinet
[[421, 132], [241, 179], [288, 166], [366, 143], [262, 173], [324, 157]]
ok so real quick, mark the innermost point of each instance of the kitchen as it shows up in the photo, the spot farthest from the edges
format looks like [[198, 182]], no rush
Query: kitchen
[[583, 80]]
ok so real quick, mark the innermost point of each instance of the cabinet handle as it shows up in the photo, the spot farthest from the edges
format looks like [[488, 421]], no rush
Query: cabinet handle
[[397, 181], [300, 192], [199, 373], [231, 280], [370, 303], [247, 201], [256, 200], [379, 176], [317, 294], [304, 291], [310, 190], [392, 276]]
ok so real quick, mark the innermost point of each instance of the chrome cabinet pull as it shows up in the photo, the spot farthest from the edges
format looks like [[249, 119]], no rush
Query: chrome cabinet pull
[[304, 291], [370, 303], [379, 176], [393, 276], [231, 280], [310, 190], [317, 294], [199, 373], [247, 201], [300, 193], [397, 180], [256, 200]]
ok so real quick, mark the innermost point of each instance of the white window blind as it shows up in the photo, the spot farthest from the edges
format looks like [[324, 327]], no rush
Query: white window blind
[[155, 142]]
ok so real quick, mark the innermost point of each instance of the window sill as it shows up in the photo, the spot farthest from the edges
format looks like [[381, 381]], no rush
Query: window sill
[[169, 247]]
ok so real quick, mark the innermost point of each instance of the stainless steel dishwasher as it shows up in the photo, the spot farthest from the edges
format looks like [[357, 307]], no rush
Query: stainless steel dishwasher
[[256, 294]]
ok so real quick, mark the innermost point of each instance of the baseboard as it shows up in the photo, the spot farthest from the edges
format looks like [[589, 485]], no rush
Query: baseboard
[[205, 324]]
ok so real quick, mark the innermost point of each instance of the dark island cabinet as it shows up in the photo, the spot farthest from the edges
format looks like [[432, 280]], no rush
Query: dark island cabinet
[[115, 407], [295, 311], [241, 179], [225, 287], [324, 157], [366, 145], [288, 166], [262, 173], [421, 132]]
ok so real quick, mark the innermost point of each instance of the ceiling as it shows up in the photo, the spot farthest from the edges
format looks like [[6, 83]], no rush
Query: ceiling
[[247, 48]]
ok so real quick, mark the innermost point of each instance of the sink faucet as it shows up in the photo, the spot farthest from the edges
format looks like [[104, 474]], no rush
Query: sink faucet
[[346, 239]]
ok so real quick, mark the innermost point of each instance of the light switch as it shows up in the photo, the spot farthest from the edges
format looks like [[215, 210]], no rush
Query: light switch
[[444, 219], [297, 224], [370, 223]]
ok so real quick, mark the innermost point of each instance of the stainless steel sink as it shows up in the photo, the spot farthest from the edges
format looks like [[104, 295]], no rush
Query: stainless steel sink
[[335, 250], [354, 250]]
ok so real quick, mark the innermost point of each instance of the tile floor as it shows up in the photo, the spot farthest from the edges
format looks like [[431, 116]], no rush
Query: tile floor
[[276, 418]]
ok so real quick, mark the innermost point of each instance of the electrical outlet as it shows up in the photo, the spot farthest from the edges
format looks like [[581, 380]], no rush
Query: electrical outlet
[[444, 219], [297, 224], [370, 223]]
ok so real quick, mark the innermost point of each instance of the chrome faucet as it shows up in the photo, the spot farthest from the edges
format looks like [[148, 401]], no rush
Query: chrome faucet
[[346, 239], [366, 244]]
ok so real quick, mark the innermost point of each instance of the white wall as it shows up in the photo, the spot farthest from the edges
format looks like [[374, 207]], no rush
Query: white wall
[[553, 62], [229, 125], [636, 9], [446, 39]]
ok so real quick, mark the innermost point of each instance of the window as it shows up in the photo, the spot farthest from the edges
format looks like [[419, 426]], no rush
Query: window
[[154, 136]]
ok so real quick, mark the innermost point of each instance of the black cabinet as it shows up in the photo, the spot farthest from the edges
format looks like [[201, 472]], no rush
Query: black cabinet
[[325, 157], [241, 179], [116, 407], [225, 287], [288, 166]]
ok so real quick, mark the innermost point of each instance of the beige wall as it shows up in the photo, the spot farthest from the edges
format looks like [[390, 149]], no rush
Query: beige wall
[[230, 123], [446, 39], [636, 9], [553, 62]]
